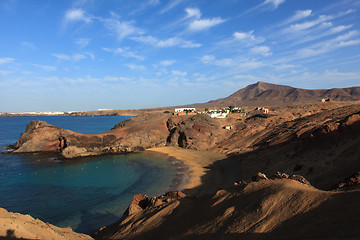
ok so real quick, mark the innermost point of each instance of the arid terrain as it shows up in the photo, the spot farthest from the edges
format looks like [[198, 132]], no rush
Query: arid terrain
[[315, 143]]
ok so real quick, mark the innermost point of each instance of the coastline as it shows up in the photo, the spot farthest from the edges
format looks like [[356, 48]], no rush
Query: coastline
[[196, 160]]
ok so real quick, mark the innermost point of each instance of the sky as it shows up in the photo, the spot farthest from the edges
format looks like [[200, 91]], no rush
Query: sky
[[74, 55]]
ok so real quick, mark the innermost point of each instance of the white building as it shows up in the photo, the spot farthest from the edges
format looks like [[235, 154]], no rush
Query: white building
[[218, 113], [177, 110]]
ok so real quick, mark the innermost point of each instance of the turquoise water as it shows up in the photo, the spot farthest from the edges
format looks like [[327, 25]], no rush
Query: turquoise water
[[85, 193]]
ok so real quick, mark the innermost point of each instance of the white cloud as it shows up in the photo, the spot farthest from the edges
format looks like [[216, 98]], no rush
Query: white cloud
[[318, 35], [91, 55], [193, 13], [75, 15], [179, 73], [135, 67], [121, 29], [145, 4], [3, 73], [45, 67], [61, 56], [329, 45], [29, 45], [273, 3], [225, 62], [6, 60], [170, 42], [204, 24], [74, 57], [262, 50], [247, 37], [339, 28], [284, 67], [124, 52], [171, 5], [306, 25], [78, 56], [244, 35], [210, 59], [207, 58], [249, 65], [167, 62], [300, 14], [116, 79], [82, 42], [266, 5]]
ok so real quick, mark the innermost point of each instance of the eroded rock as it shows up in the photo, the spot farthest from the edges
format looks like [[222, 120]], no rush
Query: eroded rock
[[258, 177], [353, 180], [298, 178]]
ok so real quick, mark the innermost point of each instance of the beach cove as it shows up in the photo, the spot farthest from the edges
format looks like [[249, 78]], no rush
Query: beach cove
[[84, 193]]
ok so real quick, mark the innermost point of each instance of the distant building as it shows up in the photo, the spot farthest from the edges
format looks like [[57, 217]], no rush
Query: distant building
[[177, 110], [325, 100], [218, 113], [262, 109]]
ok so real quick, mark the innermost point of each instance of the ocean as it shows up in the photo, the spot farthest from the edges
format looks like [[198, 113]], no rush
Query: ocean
[[85, 193]]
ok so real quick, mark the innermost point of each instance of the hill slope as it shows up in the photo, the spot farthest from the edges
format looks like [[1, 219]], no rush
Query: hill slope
[[272, 209], [262, 93]]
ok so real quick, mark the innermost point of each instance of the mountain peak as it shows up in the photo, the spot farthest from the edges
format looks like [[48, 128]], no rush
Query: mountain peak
[[263, 93]]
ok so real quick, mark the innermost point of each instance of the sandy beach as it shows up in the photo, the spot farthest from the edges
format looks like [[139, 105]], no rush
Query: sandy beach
[[197, 161]]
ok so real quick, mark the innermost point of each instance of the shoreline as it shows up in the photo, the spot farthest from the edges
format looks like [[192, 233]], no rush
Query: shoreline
[[196, 160]]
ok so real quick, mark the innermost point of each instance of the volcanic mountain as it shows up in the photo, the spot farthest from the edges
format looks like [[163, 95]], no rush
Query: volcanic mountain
[[262, 93]]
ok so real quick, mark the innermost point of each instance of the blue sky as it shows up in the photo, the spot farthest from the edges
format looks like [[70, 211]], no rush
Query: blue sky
[[122, 54]]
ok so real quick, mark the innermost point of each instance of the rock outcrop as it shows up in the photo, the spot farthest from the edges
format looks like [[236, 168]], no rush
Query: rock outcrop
[[19, 226], [351, 182], [278, 175], [134, 218], [138, 133], [134, 134], [198, 132]]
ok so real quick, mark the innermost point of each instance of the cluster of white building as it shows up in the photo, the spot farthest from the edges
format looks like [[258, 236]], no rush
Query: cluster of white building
[[34, 113], [215, 113]]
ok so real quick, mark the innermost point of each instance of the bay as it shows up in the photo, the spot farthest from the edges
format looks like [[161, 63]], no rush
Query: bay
[[85, 193]]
